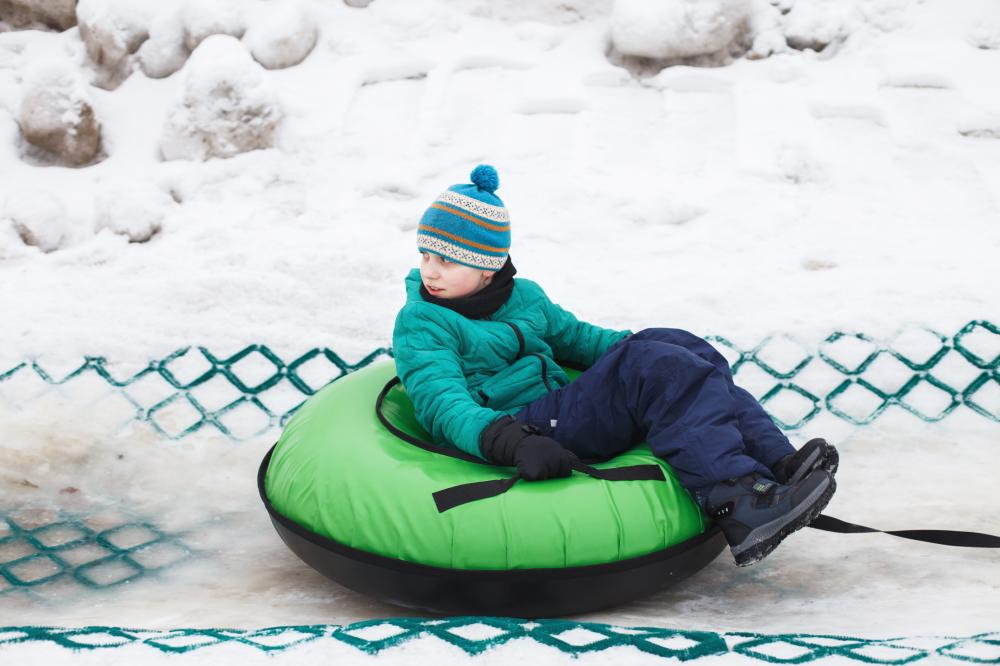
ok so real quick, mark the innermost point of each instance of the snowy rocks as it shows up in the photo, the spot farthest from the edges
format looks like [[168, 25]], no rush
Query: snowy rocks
[[56, 113], [55, 14], [165, 51], [281, 36], [226, 107], [815, 25], [204, 19], [177, 29], [986, 34], [677, 28], [160, 36], [38, 218], [112, 31], [136, 210]]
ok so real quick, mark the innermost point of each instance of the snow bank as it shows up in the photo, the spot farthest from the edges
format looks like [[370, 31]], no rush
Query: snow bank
[[679, 28], [281, 36], [227, 106], [56, 112]]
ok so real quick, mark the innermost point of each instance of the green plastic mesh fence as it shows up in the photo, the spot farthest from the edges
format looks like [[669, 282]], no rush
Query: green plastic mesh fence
[[474, 635], [41, 548], [851, 375]]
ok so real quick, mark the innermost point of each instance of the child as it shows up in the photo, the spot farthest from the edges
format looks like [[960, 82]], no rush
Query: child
[[476, 350]]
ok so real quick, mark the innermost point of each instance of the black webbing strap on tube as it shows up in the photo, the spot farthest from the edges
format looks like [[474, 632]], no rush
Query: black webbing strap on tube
[[449, 498], [942, 537]]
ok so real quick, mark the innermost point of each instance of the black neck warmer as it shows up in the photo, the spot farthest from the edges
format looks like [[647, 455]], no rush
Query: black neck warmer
[[482, 303]]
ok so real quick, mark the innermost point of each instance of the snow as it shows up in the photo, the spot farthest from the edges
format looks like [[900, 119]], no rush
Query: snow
[[228, 107], [164, 52], [112, 30], [785, 191], [56, 112], [202, 20], [39, 219], [135, 210], [677, 29], [282, 36]]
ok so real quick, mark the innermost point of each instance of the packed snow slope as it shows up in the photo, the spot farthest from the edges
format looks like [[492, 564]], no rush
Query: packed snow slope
[[830, 167]]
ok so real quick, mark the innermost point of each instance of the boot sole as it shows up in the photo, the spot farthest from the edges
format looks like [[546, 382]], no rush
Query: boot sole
[[755, 552], [828, 463]]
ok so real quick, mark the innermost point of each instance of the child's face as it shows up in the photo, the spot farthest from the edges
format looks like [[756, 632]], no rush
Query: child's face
[[451, 279]]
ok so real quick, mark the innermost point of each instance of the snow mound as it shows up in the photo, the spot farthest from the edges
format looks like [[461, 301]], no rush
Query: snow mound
[[133, 210], [986, 34], [204, 19], [38, 218], [815, 25], [281, 36], [227, 106], [164, 52], [677, 28], [113, 30], [56, 112]]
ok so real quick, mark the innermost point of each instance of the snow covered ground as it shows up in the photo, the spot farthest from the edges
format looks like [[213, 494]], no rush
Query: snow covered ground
[[757, 190]]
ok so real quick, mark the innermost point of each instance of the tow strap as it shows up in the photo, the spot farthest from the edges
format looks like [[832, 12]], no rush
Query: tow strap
[[942, 537], [449, 498]]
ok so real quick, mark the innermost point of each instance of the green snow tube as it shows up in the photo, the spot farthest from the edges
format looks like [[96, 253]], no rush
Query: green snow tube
[[354, 487]]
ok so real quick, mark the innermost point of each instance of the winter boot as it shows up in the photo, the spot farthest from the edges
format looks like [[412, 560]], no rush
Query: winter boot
[[755, 513], [814, 454]]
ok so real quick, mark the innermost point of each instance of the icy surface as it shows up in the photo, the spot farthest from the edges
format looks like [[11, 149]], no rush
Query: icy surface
[[796, 190]]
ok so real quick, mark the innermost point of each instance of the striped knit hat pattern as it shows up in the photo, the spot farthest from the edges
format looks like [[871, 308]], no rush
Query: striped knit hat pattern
[[468, 224]]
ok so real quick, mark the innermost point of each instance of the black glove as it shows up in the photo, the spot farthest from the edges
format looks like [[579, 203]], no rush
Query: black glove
[[507, 441]]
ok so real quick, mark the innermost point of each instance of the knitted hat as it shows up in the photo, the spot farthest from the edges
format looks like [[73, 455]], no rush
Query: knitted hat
[[468, 223]]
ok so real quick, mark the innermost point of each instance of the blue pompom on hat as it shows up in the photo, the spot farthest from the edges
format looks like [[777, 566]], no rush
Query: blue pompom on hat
[[468, 223]]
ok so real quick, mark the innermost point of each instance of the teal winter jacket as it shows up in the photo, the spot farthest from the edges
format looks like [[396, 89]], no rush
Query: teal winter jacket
[[462, 374]]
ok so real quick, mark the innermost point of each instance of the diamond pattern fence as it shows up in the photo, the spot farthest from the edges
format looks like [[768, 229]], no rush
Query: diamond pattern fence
[[474, 635], [849, 374], [98, 551]]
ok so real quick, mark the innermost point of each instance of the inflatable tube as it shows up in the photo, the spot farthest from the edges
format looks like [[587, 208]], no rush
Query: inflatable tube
[[350, 489]]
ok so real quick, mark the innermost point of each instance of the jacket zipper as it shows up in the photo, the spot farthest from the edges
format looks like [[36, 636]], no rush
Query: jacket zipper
[[545, 371], [520, 339], [520, 352]]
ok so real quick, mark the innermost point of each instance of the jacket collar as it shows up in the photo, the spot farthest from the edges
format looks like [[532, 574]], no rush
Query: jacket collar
[[478, 305]]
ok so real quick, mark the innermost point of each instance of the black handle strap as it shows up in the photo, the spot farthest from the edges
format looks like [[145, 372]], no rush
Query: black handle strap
[[942, 537], [449, 498]]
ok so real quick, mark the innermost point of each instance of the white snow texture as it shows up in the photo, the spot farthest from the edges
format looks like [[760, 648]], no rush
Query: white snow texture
[[227, 107]]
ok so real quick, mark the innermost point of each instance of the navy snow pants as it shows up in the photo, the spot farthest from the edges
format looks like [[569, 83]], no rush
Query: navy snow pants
[[672, 389]]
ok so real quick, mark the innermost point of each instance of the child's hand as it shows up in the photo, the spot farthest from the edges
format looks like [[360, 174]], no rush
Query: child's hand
[[507, 441], [538, 457]]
